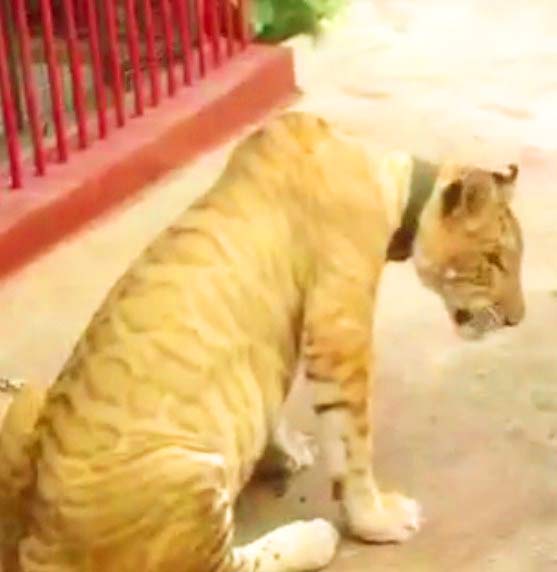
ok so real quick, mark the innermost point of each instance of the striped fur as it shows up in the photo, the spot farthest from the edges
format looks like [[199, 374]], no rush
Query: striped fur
[[176, 387]]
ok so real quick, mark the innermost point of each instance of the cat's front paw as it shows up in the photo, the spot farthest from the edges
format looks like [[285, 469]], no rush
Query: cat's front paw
[[395, 518]]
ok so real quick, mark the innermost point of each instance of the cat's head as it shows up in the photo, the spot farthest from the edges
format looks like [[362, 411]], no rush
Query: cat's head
[[469, 247]]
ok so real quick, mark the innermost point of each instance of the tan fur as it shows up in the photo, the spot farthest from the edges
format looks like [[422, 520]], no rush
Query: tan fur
[[170, 397], [16, 469], [472, 256]]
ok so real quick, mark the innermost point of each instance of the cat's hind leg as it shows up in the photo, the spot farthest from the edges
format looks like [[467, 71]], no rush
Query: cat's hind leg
[[289, 452]]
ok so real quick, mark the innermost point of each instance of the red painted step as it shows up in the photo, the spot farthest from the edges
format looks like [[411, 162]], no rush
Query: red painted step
[[94, 180]]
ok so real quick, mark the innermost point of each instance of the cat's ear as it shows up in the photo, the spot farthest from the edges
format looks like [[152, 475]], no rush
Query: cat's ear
[[506, 181], [451, 198], [468, 202], [470, 199]]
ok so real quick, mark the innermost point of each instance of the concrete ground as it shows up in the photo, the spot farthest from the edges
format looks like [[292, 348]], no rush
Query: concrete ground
[[468, 429]]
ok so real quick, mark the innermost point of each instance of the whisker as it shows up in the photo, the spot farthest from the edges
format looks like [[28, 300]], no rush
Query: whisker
[[497, 320]]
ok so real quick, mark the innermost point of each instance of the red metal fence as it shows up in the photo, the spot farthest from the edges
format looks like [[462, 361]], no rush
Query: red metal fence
[[71, 71]]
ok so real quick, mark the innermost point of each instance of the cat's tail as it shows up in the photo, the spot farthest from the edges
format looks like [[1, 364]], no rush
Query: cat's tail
[[17, 440]]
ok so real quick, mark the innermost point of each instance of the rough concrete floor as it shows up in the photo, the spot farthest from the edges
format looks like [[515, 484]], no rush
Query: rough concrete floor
[[468, 429]]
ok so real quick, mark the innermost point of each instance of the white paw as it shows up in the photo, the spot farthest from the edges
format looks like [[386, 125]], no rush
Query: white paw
[[308, 545], [396, 519], [300, 546], [298, 448], [301, 452]]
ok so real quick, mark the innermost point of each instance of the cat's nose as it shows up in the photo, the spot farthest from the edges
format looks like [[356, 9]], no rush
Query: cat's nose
[[462, 317]]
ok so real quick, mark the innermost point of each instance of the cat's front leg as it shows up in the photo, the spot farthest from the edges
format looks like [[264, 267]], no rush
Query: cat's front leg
[[339, 367]]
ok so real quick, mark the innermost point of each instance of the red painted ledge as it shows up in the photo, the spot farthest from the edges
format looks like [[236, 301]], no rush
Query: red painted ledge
[[100, 177]]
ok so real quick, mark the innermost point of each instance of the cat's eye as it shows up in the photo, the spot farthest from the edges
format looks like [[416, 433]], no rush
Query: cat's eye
[[495, 260]]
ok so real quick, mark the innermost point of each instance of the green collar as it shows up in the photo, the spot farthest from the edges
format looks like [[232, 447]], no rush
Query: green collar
[[424, 175]]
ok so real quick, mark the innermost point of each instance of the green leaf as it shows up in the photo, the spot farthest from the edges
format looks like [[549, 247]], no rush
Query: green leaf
[[263, 14], [276, 20]]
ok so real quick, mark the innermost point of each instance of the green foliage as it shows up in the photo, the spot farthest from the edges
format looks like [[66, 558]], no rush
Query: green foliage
[[276, 20]]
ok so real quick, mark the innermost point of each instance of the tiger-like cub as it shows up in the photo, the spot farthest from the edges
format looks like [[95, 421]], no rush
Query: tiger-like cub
[[174, 391]]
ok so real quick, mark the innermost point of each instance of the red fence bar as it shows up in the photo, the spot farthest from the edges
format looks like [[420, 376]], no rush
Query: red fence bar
[[169, 45], [152, 61], [80, 13], [133, 47], [54, 80], [114, 56], [182, 13], [213, 20], [29, 87], [10, 33], [96, 64], [75, 67], [229, 27], [8, 110], [200, 36], [244, 24], [221, 28]]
